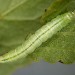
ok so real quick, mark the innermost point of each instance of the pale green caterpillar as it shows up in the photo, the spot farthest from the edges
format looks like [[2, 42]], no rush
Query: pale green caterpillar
[[40, 36]]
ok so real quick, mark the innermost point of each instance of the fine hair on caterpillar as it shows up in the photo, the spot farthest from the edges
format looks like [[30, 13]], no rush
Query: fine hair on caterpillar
[[40, 36]]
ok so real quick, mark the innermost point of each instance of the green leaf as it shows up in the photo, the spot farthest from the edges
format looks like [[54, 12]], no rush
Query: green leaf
[[22, 9], [56, 8]]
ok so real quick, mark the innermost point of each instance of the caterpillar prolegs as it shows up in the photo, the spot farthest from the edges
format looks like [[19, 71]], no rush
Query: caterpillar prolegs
[[40, 36]]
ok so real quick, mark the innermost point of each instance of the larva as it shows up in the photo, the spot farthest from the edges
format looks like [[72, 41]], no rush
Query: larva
[[40, 36]]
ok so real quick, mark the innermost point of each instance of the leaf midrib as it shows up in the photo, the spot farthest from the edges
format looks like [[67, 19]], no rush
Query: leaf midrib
[[13, 8]]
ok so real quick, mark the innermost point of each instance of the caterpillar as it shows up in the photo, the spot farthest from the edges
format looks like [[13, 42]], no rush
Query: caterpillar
[[40, 36]]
